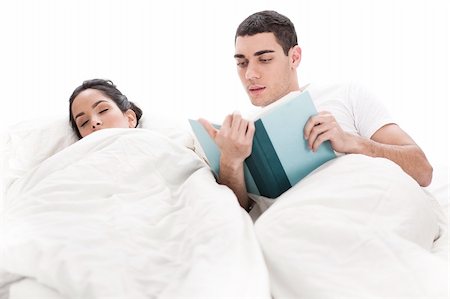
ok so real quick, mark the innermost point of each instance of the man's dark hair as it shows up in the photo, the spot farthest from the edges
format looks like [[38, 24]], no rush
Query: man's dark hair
[[270, 21]]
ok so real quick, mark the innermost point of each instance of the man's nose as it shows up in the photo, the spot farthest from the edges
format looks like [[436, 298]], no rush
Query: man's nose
[[251, 72]]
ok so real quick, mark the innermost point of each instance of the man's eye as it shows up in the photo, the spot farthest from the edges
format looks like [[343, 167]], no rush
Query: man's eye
[[242, 64], [265, 60]]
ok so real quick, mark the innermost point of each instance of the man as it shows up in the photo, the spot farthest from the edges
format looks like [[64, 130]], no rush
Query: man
[[267, 56]]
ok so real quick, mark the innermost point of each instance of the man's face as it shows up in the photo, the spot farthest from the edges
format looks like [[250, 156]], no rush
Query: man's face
[[266, 73]]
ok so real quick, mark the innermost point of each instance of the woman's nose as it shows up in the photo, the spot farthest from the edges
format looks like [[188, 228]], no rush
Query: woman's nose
[[96, 123]]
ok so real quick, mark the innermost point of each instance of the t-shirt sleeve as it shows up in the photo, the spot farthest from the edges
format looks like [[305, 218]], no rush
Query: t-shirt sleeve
[[369, 112]]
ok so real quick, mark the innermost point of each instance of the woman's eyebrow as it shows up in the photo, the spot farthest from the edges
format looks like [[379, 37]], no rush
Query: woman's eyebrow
[[93, 106], [98, 102]]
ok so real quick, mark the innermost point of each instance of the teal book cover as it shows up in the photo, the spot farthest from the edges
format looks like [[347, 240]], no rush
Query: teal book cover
[[280, 155]]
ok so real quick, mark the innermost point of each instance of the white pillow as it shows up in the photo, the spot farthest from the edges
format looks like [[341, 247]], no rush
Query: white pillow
[[28, 143]]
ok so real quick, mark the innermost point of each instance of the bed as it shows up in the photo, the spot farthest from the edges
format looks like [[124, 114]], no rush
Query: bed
[[135, 213], [123, 213], [370, 232]]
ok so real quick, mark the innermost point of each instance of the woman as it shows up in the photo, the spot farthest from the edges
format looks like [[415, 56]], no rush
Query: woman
[[98, 104]]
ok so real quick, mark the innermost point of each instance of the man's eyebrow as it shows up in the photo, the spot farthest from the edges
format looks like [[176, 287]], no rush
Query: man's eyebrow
[[259, 53], [93, 106]]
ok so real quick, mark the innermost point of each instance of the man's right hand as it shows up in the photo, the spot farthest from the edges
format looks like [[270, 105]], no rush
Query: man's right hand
[[234, 138]]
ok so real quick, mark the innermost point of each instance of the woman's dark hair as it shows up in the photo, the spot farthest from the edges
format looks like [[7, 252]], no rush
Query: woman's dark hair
[[270, 21], [108, 89]]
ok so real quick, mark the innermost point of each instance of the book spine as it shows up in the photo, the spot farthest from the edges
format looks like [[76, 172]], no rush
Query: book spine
[[265, 166]]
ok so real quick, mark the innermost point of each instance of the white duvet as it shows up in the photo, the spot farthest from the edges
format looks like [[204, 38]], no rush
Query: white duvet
[[130, 214], [126, 213], [356, 228]]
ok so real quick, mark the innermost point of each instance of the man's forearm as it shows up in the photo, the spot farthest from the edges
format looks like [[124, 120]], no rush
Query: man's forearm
[[409, 157], [233, 177]]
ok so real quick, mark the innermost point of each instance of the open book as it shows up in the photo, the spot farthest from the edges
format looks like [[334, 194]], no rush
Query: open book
[[280, 155]]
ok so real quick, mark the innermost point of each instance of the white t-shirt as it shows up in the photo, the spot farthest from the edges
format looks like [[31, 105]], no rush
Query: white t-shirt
[[355, 109]]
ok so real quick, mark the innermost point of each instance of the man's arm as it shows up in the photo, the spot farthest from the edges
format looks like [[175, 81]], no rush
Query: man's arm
[[231, 174], [389, 142], [234, 140]]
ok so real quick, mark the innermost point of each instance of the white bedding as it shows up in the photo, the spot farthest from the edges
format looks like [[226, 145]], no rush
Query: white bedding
[[127, 213], [356, 228]]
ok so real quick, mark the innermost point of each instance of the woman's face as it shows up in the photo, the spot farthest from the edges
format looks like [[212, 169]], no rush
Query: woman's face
[[93, 111]]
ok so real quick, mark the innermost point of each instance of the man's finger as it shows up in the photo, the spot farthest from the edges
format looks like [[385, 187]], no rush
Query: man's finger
[[212, 132]]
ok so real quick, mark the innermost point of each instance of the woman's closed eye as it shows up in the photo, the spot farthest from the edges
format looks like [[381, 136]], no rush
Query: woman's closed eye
[[104, 110], [83, 123]]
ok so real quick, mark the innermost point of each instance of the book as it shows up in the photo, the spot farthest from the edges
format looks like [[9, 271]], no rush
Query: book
[[280, 156]]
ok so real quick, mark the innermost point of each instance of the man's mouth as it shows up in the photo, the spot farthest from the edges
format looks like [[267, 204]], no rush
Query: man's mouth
[[256, 89]]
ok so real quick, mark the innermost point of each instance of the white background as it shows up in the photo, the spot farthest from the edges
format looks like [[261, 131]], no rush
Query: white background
[[175, 58]]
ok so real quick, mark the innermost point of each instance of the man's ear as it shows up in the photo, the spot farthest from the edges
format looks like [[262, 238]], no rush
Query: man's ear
[[295, 56], [132, 119]]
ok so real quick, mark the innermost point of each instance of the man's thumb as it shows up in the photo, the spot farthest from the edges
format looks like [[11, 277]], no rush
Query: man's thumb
[[212, 132]]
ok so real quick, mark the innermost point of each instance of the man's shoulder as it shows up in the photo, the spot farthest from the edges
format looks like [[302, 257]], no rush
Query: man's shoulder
[[326, 91], [332, 87], [338, 90]]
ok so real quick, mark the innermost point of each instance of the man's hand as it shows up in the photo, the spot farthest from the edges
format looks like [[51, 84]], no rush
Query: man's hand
[[234, 138], [389, 142], [322, 127]]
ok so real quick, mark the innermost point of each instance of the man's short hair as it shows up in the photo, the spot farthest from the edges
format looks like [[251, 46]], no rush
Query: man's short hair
[[270, 21]]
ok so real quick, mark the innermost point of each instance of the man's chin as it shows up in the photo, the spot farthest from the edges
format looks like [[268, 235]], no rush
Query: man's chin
[[256, 100], [260, 101]]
